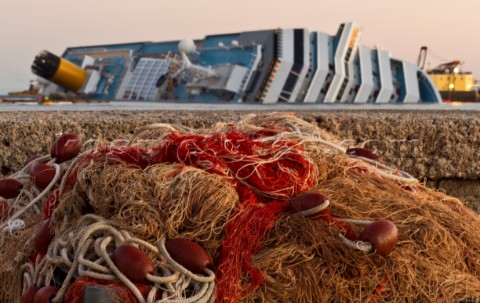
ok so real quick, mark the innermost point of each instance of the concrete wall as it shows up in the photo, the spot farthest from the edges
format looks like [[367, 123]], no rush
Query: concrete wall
[[440, 146]]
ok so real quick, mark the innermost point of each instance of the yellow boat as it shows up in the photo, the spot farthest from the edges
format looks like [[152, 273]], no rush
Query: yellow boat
[[452, 83]]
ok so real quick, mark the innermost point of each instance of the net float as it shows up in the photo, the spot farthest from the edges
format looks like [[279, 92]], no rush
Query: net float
[[42, 174], [409, 188], [10, 188], [33, 158], [189, 254], [312, 204], [364, 153], [29, 295], [4, 209], [383, 235], [45, 294], [30, 159], [133, 263], [43, 237], [361, 170], [66, 147]]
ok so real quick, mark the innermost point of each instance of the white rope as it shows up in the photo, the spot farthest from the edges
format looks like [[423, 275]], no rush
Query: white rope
[[26, 168], [38, 198], [14, 225], [356, 222], [313, 210], [27, 269], [364, 247], [386, 171], [138, 132], [86, 251], [375, 167]]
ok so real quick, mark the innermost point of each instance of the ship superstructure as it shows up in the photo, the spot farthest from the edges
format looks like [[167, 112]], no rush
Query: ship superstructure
[[268, 66]]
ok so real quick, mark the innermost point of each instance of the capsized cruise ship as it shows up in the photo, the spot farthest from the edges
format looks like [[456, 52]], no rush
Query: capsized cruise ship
[[268, 66]]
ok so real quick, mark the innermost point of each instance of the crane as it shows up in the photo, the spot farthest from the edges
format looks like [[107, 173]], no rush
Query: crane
[[452, 67], [422, 57]]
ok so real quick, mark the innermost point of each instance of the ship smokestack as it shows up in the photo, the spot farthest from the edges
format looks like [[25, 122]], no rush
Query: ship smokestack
[[59, 71]]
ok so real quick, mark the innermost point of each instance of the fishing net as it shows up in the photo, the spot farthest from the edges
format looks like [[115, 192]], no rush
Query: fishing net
[[230, 189], [180, 201], [86, 250], [16, 230]]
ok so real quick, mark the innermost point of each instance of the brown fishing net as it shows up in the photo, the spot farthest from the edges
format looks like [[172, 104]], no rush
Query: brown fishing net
[[436, 259], [177, 200], [228, 189]]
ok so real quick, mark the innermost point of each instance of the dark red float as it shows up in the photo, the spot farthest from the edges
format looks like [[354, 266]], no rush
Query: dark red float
[[45, 294], [409, 188], [32, 158], [383, 235], [43, 237], [66, 147], [42, 174], [10, 188], [306, 202], [29, 295], [189, 254], [133, 263], [365, 153]]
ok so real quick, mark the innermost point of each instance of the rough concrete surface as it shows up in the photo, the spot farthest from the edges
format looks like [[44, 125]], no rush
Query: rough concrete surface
[[439, 146]]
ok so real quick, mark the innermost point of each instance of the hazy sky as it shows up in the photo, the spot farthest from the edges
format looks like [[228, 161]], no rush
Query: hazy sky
[[451, 29]]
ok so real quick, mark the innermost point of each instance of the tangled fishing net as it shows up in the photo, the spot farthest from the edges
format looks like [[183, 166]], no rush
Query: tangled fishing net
[[171, 198]]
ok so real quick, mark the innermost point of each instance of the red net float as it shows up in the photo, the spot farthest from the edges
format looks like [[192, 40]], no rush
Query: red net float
[[45, 294], [133, 263], [311, 204], [10, 188], [43, 238], [42, 174], [409, 188], [33, 158], [29, 294], [383, 235], [66, 147], [361, 170], [364, 153], [189, 254], [314, 204]]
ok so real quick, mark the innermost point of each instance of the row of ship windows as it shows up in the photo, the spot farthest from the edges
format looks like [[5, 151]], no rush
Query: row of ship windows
[[144, 79], [148, 77], [149, 73]]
